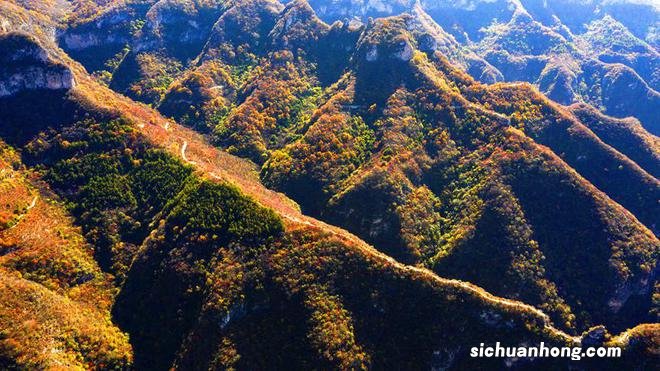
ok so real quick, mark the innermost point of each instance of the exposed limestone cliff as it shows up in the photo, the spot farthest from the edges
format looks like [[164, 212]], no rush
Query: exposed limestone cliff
[[27, 66]]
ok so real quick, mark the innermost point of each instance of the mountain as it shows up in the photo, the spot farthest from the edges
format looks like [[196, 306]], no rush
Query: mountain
[[589, 53], [239, 184]]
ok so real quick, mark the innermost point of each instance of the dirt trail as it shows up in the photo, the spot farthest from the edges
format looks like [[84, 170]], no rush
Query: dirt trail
[[183, 152], [215, 164], [27, 210], [295, 219], [194, 149], [221, 166]]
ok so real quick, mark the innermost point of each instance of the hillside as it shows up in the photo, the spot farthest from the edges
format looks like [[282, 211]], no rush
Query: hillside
[[215, 281], [275, 202], [55, 309], [574, 51]]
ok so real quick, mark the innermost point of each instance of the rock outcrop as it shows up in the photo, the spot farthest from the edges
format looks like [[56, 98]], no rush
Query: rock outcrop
[[27, 66]]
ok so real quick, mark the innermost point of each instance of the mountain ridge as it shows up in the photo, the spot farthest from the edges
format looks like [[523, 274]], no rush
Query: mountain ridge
[[378, 157]]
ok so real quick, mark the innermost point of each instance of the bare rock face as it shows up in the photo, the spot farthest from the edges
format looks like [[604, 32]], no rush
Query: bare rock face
[[405, 52], [81, 41], [34, 79], [372, 54], [109, 28], [25, 65]]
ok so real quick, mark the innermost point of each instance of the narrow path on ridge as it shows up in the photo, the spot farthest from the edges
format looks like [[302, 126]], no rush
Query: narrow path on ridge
[[27, 210], [296, 219]]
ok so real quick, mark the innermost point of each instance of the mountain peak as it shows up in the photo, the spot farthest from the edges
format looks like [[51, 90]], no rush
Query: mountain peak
[[242, 29], [301, 5], [297, 26], [375, 169], [608, 34], [387, 38]]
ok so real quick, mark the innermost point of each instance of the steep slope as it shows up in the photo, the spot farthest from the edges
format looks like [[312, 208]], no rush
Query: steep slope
[[611, 42], [242, 30], [263, 285], [607, 64], [37, 70], [102, 41], [637, 16], [569, 54], [463, 20], [435, 39], [361, 153], [171, 34], [378, 158], [626, 136], [204, 217], [571, 69], [55, 307], [346, 9]]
